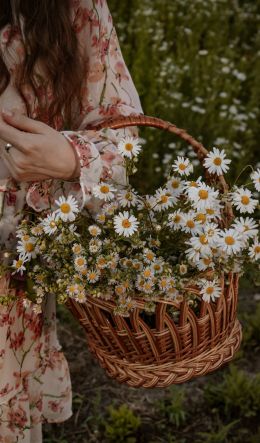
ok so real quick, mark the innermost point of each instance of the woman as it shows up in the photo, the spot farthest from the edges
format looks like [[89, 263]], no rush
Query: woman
[[61, 68]]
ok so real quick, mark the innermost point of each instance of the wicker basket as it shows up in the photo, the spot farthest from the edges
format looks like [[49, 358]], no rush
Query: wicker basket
[[133, 351]]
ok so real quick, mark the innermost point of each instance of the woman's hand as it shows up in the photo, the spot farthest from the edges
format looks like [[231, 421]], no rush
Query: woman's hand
[[39, 153]]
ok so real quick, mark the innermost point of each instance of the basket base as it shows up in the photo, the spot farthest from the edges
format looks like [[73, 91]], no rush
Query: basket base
[[163, 375]]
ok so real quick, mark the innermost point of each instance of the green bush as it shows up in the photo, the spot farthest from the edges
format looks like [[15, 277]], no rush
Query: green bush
[[172, 407], [121, 425]]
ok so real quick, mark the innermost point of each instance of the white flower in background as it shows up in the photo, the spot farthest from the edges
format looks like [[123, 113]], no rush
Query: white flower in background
[[157, 266], [247, 226], [212, 232], [110, 208], [175, 186], [94, 245], [243, 201], [49, 224], [216, 162], [72, 290], [37, 230], [125, 224], [163, 199], [255, 176], [164, 284], [205, 263], [147, 273], [94, 230], [93, 275], [127, 198], [148, 255], [175, 220], [192, 184], [104, 191], [229, 241], [210, 290], [202, 197], [68, 207], [19, 264], [27, 247], [189, 223], [129, 147], [101, 218], [77, 248], [101, 262], [201, 244], [80, 297], [182, 165], [254, 251], [148, 286], [80, 262]]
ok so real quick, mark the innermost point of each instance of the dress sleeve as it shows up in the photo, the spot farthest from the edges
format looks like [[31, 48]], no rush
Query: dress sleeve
[[108, 91]]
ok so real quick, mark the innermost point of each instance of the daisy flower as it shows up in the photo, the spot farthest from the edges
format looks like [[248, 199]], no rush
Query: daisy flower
[[80, 297], [27, 247], [211, 231], [192, 184], [205, 263], [243, 201], [210, 290], [182, 166], [247, 226], [254, 251], [49, 224], [229, 241], [216, 162], [163, 284], [189, 223], [175, 220], [94, 230], [147, 273], [255, 176], [19, 264], [157, 266], [80, 262], [72, 290], [175, 186], [163, 199], [202, 197], [68, 207], [101, 262], [201, 244], [129, 147], [148, 286], [101, 218], [125, 224], [193, 254], [104, 191], [94, 245], [148, 255], [127, 198], [120, 289], [93, 275], [77, 248], [37, 230]]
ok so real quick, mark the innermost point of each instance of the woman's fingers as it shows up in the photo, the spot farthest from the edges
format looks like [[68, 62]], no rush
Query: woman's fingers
[[24, 123]]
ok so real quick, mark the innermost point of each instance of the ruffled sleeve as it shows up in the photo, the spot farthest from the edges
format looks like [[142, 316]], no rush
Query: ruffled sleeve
[[108, 91]]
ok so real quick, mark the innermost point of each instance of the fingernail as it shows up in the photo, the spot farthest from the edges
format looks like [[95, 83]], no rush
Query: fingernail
[[7, 112]]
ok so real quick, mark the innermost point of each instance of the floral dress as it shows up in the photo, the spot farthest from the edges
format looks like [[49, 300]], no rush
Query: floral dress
[[35, 384]]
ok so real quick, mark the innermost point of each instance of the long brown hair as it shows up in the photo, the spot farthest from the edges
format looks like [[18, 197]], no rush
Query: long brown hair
[[50, 37]]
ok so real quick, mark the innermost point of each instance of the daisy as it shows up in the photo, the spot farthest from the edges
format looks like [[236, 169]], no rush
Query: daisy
[[104, 191], [175, 220], [175, 186], [67, 208], [149, 255], [27, 247], [72, 290], [19, 264], [193, 254], [255, 176], [148, 286], [229, 241], [129, 147], [37, 230], [49, 224], [147, 273], [254, 251], [101, 262], [127, 198], [202, 197], [201, 244], [189, 223], [210, 290], [163, 284], [94, 230], [216, 162], [77, 248], [163, 199], [192, 184], [94, 245], [93, 275], [182, 166], [125, 224], [205, 263], [243, 200], [80, 262], [247, 226], [211, 231], [80, 297], [157, 266], [101, 218], [120, 289]]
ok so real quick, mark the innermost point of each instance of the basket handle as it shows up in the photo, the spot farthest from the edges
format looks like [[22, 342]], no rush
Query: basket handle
[[145, 120]]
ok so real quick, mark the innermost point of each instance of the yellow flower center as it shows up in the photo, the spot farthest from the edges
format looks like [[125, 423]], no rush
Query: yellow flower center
[[65, 208], [201, 217], [52, 224], [217, 161], [129, 196], [147, 273], [80, 261], [25, 237], [210, 290], [164, 198], [190, 224], [175, 184], [104, 189], [210, 211], [182, 166], [203, 239], [92, 276], [149, 255], [29, 247], [163, 283], [203, 194], [245, 200], [257, 249], [177, 219], [206, 261], [101, 261], [128, 146], [157, 267], [19, 263], [193, 184], [126, 223], [229, 240]]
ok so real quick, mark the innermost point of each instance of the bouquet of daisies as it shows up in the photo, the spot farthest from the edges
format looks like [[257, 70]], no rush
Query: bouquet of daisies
[[141, 246]]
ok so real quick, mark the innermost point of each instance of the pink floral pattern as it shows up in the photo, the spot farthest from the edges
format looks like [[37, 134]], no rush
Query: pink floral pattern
[[35, 383]]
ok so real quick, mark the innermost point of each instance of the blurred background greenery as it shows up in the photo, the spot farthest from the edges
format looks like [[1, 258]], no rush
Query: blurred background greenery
[[195, 63]]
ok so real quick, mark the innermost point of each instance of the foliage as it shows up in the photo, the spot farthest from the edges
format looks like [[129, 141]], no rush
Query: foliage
[[237, 395], [173, 406], [221, 435], [121, 425], [251, 333]]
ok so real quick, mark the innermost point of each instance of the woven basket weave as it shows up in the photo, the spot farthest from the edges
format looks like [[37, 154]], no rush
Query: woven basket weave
[[133, 351]]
